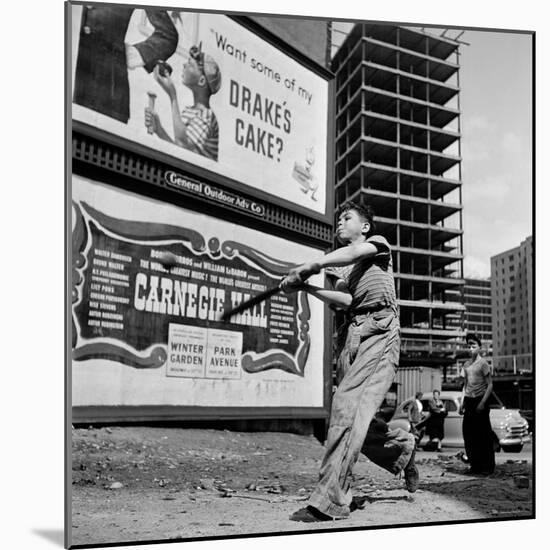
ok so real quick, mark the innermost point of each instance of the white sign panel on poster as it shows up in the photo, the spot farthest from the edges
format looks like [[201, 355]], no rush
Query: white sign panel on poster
[[205, 90], [144, 334]]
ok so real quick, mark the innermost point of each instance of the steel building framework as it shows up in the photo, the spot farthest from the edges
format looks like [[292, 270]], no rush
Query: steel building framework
[[398, 150]]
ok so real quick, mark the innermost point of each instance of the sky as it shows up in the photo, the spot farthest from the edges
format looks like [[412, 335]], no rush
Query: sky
[[496, 104]]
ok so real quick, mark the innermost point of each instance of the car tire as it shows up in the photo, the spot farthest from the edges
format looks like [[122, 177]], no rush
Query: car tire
[[512, 448]]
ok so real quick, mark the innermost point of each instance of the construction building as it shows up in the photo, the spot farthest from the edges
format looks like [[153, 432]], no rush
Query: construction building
[[512, 304], [477, 299], [398, 150]]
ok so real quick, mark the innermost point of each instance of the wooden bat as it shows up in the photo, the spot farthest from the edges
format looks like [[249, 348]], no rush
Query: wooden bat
[[251, 302]]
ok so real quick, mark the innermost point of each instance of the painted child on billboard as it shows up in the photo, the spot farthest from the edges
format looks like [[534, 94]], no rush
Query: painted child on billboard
[[104, 58], [195, 127]]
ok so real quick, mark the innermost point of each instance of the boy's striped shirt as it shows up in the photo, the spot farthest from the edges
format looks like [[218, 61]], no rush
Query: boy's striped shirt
[[202, 130], [370, 281]]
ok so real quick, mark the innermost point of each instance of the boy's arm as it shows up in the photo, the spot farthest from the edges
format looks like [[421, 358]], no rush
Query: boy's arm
[[180, 130], [167, 84], [487, 394], [162, 133], [331, 297], [162, 43], [463, 376], [342, 256]]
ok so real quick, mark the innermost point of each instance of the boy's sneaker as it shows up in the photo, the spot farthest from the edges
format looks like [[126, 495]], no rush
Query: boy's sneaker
[[412, 477], [309, 515], [358, 503]]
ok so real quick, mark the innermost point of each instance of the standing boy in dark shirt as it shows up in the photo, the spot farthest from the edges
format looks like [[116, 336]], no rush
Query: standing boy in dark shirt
[[364, 286], [476, 426]]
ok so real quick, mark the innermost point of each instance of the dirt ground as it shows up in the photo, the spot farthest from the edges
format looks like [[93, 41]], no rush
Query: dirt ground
[[149, 483]]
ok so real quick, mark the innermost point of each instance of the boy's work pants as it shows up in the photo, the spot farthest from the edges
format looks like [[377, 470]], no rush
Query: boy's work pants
[[478, 436], [367, 366]]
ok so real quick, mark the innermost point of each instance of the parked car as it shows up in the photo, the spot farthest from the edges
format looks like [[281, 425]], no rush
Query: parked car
[[509, 426]]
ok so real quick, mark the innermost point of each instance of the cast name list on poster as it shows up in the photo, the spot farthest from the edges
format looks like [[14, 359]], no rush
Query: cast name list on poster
[[105, 278]]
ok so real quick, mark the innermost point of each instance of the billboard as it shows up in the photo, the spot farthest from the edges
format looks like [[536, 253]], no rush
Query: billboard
[[203, 89], [144, 334]]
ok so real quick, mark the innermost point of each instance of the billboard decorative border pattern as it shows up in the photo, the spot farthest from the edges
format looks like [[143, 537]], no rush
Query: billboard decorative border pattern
[[145, 232]]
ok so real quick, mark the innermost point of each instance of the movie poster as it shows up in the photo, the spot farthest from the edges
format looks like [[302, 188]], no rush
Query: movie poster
[[145, 334]]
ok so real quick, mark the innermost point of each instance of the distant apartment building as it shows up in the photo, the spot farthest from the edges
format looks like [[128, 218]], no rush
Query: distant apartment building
[[477, 299], [512, 305]]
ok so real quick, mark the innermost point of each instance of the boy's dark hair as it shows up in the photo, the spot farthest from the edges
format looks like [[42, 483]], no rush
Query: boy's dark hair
[[366, 212], [473, 338]]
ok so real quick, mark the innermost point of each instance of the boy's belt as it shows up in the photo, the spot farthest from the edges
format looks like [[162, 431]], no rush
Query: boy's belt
[[363, 312]]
